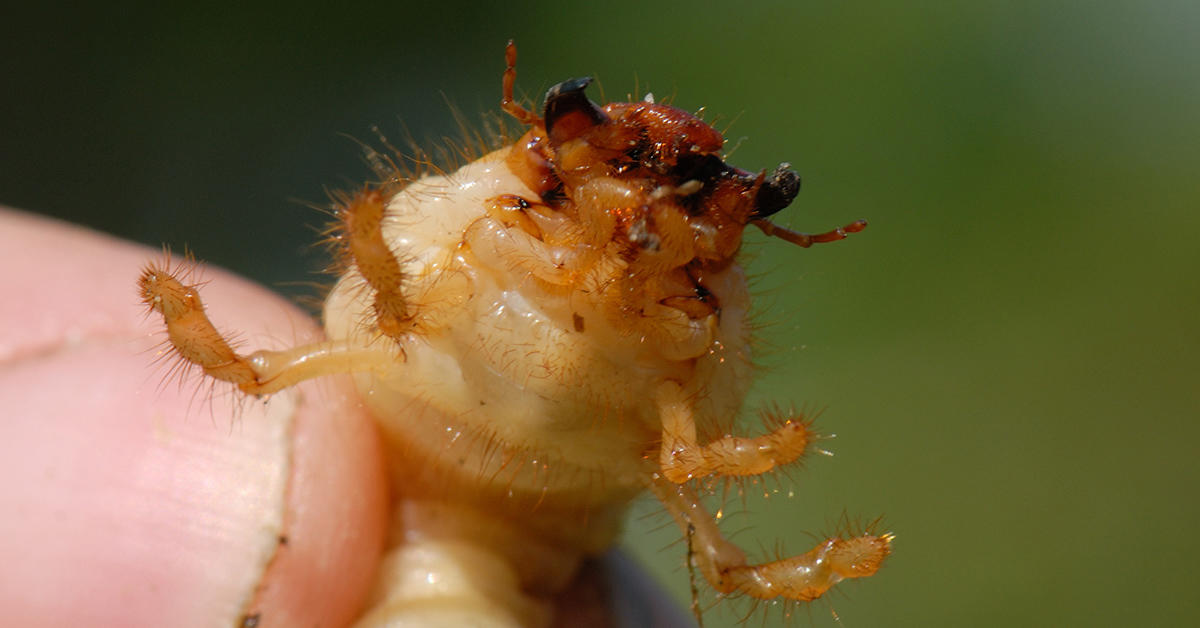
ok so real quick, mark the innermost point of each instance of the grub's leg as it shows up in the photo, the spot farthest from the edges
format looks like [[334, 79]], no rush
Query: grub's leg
[[359, 236], [683, 458], [802, 578], [195, 340], [507, 103], [499, 239], [806, 239]]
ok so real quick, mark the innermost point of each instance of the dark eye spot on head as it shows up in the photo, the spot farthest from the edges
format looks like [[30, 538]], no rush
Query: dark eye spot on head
[[637, 151], [705, 168], [701, 167]]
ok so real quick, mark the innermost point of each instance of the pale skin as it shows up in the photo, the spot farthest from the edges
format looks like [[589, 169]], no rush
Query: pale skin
[[129, 501]]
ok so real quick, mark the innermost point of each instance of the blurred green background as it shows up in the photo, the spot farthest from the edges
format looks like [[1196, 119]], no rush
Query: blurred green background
[[1008, 353]]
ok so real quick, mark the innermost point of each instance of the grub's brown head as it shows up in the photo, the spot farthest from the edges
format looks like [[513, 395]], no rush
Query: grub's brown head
[[654, 171]]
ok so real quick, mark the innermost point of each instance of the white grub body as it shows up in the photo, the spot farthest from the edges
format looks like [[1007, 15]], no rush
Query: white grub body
[[542, 335], [520, 421]]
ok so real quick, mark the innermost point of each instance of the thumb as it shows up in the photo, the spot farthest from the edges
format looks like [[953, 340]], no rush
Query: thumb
[[133, 503]]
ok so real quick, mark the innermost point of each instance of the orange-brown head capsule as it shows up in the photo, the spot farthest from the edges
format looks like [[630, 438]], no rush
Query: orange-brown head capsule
[[644, 183], [666, 160]]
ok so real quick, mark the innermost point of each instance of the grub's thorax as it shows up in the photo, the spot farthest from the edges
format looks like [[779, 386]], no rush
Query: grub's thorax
[[528, 394], [552, 287]]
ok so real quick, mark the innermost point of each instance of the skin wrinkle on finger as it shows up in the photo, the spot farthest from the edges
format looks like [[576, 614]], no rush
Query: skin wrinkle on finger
[[136, 501], [326, 448], [279, 418]]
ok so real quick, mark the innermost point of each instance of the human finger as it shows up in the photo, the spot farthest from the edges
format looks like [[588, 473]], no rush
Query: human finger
[[131, 503]]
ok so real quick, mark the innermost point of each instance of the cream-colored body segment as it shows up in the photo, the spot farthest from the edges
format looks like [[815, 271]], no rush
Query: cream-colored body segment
[[503, 354], [509, 403]]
